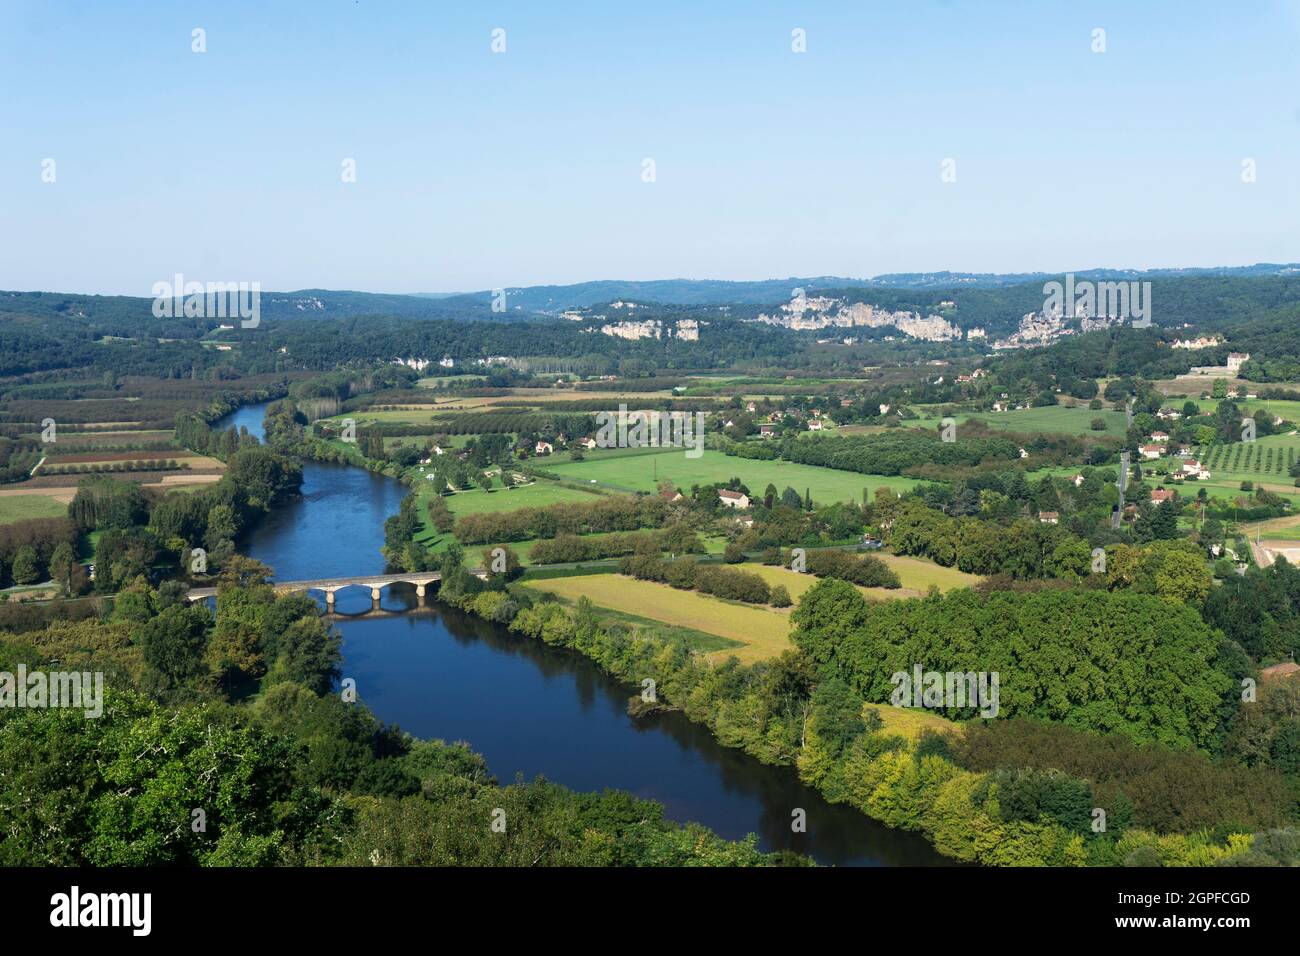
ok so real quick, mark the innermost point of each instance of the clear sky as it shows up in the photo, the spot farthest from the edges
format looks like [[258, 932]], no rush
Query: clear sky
[[478, 170]]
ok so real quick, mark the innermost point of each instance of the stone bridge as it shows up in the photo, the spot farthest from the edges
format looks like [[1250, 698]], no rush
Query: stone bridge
[[420, 579]]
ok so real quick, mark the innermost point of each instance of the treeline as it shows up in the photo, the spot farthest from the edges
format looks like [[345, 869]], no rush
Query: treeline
[[513, 422], [602, 513], [688, 574], [897, 453], [39, 549], [565, 548]]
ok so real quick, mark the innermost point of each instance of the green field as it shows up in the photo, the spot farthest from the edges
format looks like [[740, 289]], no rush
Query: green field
[[642, 472], [21, 507]]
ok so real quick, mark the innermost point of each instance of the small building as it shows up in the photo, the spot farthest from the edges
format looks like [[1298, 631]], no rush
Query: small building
[[543, 448], [1152, 452], [733, 499], [1078, 480], [815, 425], [670, 495], [1160, 437], [767, 430], [1049, 517], [587, 443], [1161, 495]]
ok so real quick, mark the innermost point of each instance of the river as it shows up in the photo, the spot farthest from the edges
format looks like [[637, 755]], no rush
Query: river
[[532, 709]]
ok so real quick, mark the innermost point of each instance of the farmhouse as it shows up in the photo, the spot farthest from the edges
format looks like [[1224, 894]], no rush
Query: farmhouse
[[733, 499], [1161, 495], [1152, 452], [1049, 517]]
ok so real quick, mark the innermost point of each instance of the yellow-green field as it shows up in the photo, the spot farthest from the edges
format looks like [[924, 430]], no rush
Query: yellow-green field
[[763, 631], [910, 723], [21, 507]]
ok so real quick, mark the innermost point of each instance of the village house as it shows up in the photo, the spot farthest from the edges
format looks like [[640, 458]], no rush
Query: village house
[[1152, 452], [1160, 437], [733, 499], [815, 425], [1168, 414], [767, 430], [1193, 469], [1049, 517], [587, 443], [670, 495], [1078, 480], [543, 448], [1161, 495]]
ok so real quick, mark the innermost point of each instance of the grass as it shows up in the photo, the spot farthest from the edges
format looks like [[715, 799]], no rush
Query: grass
[[22, 507], [641, 472], [761, 632], [910, 723]]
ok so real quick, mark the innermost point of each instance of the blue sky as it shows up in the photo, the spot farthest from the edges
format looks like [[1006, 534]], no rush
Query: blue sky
[[479, 170]]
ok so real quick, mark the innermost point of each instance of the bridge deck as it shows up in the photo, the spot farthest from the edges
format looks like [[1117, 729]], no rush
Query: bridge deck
[[338, 583]]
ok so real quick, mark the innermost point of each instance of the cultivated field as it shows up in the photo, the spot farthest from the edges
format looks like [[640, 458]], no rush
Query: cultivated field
[[763, 631], [20, 507]]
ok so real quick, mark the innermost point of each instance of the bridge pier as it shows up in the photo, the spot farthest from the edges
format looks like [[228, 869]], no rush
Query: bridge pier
[[419, 591], [374, 595], [329, 601]]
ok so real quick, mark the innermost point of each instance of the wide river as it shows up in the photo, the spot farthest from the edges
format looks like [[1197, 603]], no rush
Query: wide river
[[532, 709]]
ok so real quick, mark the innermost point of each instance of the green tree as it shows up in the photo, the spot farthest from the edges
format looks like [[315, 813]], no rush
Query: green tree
[[26, 567]]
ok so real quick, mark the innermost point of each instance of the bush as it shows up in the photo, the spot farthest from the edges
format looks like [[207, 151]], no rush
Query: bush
[[780, 597], [733, 553]]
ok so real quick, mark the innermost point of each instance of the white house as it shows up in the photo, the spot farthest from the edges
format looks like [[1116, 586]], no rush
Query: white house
[[1152, 452], [815, 425], [543, 448], [733, 499]]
